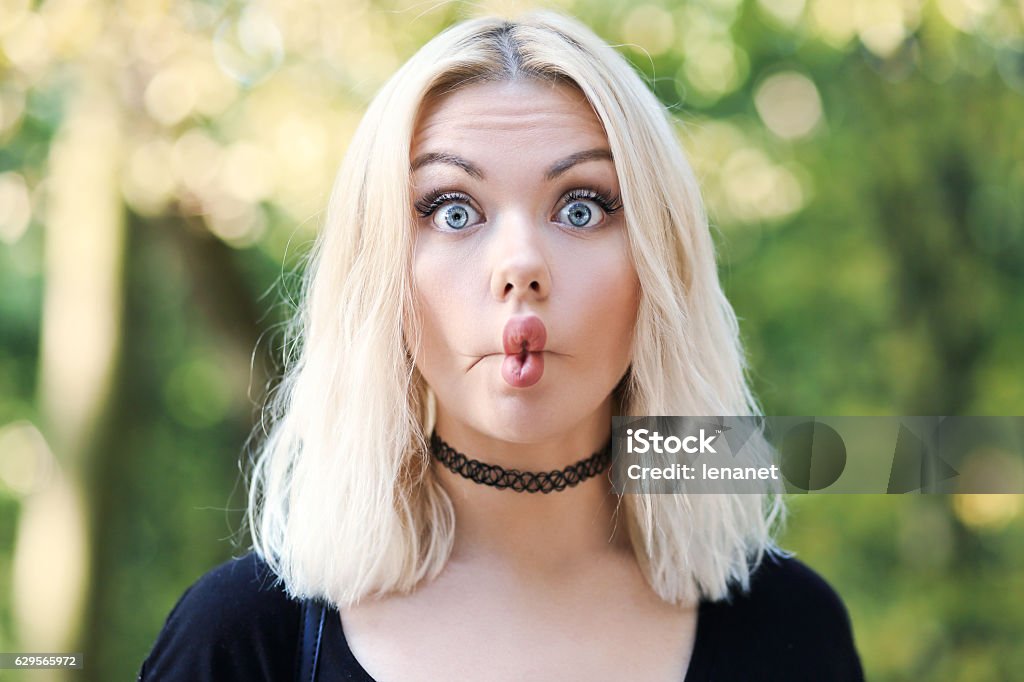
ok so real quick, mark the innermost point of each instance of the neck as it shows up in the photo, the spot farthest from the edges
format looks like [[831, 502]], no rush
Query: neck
[[532, 532]]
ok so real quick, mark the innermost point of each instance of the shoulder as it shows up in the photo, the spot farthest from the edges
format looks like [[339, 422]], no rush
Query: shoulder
[[235, 623], [790, 622], [783, 583]]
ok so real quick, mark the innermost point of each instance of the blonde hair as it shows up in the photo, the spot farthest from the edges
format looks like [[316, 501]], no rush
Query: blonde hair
[[343, 502]]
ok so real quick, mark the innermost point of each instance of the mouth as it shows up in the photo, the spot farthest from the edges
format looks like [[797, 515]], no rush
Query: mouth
[[521, 355], [523, 369], [523, 339], [524, 334], [523, 349]]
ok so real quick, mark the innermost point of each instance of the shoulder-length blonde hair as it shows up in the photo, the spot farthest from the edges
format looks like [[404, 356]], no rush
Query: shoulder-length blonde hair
[[343, 502]]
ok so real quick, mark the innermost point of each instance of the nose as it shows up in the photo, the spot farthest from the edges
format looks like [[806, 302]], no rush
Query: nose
[[521, 269]]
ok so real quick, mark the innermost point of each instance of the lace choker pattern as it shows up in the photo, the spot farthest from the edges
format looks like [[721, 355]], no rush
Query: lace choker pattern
[[520, 481]]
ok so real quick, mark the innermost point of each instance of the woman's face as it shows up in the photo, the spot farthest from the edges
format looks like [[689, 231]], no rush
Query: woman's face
[[522, 279]]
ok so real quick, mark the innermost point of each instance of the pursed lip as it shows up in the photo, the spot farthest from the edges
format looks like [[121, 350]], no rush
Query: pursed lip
[[488, 355], [478, 358], [523, 334]]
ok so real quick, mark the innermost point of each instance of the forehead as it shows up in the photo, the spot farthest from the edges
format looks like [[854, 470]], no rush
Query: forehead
[[547, 116]]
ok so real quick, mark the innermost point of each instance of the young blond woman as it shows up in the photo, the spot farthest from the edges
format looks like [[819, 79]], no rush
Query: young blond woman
[[515, 251]]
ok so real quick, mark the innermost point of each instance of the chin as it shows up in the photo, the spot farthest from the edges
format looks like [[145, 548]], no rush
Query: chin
[[521, 420], [528, 415]]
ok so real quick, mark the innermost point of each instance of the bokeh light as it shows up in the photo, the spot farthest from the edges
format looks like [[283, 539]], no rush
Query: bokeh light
[[248, 47], [164, 168], [789, 104]]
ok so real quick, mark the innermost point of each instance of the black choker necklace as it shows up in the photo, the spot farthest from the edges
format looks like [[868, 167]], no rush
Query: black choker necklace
[[520, 481]]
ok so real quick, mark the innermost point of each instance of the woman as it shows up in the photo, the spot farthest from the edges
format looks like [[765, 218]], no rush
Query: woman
[[514, 252]]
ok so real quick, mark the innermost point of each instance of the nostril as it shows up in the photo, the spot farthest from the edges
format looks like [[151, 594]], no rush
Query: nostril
[[534, 286]]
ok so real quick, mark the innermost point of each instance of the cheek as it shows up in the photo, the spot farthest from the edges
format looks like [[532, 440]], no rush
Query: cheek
[[607, 295], [439, 277]]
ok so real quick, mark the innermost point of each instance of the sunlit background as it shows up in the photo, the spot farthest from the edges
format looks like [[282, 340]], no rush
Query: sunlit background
[[165, 165]]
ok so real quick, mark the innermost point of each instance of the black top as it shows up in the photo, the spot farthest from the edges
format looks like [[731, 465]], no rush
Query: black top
[[234, 623]]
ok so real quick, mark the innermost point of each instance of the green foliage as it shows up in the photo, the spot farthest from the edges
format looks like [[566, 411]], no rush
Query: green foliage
[[863, 176]]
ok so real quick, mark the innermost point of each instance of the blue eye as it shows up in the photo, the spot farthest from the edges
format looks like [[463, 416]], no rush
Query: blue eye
[[448, 211], [586, 208], [456, 216], [579, 213]]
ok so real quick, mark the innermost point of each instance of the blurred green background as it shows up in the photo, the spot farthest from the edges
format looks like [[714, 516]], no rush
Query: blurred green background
[[164, 166]]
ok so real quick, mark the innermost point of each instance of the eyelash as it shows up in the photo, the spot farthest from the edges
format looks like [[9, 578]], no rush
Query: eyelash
[[609, 204], [436, 199]]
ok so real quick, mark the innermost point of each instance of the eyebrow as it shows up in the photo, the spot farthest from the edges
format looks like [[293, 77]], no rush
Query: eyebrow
[[450, 159], [556, 169], [568, 162]]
